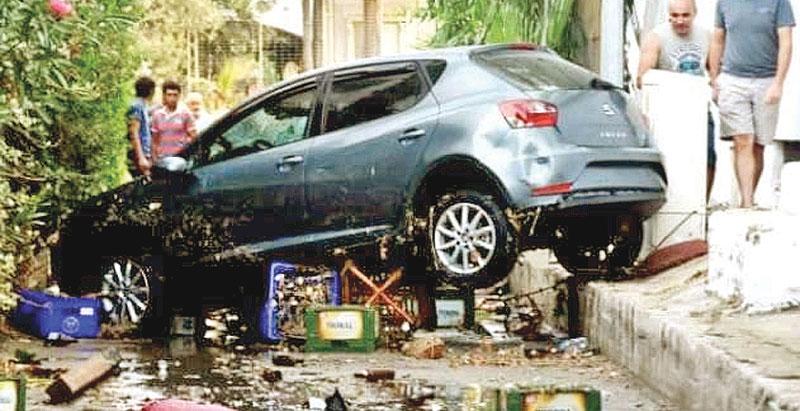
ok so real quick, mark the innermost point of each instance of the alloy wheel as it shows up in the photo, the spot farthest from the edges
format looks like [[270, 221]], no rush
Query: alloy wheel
[[125, 291], [465, 238]]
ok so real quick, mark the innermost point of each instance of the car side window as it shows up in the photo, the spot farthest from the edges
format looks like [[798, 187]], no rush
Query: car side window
[[280, 120], [364, 95]]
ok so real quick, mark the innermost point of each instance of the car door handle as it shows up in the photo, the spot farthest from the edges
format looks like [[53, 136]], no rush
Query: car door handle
[[289, 160], [409, 136]]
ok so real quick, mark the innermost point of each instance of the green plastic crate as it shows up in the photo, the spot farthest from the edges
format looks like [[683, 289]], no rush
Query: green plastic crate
[[577, 398], [341, 328], [12, 393]]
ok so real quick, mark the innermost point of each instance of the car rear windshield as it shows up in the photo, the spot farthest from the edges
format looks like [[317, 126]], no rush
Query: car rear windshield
[[533, 69]]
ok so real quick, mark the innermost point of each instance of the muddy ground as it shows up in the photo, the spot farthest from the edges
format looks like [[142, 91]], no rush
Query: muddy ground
[[232, 376]]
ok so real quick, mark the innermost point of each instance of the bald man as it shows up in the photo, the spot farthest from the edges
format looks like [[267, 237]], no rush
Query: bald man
[[680, 46]]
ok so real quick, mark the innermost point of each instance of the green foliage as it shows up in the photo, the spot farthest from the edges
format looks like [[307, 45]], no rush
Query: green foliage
[[64, 89], [165, 29], [546, 22], [233, 78]]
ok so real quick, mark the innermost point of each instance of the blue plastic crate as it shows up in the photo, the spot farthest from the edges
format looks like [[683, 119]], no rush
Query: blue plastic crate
[[41, 314], [271, 309]]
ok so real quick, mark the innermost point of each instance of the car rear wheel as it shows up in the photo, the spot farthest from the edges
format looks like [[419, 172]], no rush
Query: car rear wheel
[[470, 239], [598, 245]]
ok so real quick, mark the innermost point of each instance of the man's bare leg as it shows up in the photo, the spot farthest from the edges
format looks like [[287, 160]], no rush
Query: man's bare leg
[[744, 164], [758, 156], [710, 171]]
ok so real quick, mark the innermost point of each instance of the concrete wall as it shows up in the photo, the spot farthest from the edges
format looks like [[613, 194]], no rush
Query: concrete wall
[[533, 272]]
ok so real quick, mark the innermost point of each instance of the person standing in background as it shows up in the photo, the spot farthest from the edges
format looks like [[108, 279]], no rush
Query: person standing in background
[[194, 101], [748, 61], [139, 154], [681, 46], [173, 124]]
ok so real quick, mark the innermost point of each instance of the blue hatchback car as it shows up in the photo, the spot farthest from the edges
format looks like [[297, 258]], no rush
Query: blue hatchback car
[[462, 157]]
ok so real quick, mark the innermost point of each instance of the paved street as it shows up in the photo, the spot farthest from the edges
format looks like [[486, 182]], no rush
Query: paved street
[[180, 370]]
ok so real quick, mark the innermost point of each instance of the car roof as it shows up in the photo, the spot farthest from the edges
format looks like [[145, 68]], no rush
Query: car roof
[[449, 54]]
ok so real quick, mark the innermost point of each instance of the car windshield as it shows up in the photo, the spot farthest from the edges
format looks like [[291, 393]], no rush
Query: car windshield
[[537, 70]]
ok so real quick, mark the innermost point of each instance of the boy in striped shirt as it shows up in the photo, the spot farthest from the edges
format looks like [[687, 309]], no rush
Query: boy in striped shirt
[[173, 124]]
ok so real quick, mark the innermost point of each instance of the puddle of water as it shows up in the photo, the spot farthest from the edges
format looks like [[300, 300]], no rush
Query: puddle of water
[[180, 368]]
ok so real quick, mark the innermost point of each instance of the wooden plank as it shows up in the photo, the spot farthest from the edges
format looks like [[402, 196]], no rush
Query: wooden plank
[[81, 377]]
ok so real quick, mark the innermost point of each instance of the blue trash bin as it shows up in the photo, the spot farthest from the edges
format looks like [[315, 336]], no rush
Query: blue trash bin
[[41, 314]]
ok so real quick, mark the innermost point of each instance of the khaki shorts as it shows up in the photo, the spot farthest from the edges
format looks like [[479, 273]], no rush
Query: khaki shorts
[[742, 109]]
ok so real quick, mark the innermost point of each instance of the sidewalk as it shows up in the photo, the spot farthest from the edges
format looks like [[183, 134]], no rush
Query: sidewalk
[[693, 348]]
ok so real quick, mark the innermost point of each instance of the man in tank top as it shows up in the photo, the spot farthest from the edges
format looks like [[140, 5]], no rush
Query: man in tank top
[[681, 46]]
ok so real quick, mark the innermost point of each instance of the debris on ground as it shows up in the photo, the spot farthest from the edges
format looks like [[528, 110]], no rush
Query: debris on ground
[[495, 329], [283, 360], [376, 374], [182, 405], [316, 404], [9, 366], [416, 394], [488, 355], [335, 402], [183, 326], [670, 256], [25, 357], [425, 348], [87, 374], [59, 340], [573, 347], [117, 331], [224, 327], [270, 375]]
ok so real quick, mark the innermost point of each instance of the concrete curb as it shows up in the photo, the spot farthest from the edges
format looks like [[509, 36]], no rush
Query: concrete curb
[[673, 356]]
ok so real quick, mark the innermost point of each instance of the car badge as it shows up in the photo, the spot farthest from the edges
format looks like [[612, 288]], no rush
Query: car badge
[[608, 110]]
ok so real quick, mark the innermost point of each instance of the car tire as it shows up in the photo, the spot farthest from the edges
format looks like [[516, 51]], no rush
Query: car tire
[[131, 291], [598, 245], [470, 240]]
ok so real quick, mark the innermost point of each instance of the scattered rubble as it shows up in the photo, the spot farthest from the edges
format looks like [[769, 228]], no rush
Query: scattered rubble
[[25, 357], [117, 331], [335, 402], [181, 405], [59, 340], [283, 360], [376, 374], [574, 346], [315, 403], [89, 373], [271, 375], [425, 348]]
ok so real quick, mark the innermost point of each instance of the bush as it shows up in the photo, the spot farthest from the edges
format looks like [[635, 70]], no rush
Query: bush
[[64, 86]]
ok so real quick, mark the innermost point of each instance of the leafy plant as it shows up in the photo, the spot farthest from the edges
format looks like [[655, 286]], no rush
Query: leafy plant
[[233, 78], [64, 88], [546, 22]]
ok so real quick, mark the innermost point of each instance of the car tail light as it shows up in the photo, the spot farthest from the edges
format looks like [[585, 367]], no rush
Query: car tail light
[[523, 46], [552, 189], [529, 113]]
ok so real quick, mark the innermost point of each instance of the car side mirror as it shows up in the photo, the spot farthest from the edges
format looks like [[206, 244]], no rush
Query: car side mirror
[[173, 164]]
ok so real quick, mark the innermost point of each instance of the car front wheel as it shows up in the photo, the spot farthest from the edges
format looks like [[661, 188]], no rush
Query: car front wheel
[[471, 241], [131, 291]]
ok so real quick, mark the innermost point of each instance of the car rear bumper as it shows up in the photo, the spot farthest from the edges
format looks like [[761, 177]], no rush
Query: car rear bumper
[[595, 181]]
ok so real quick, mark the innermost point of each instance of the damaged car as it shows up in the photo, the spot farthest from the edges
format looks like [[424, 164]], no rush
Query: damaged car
[[464, 156]]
